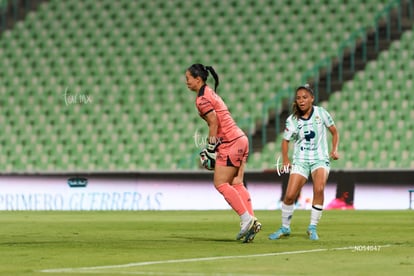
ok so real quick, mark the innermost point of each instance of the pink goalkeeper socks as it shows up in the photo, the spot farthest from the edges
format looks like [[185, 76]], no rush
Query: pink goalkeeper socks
[[245, 196], [233, 198]]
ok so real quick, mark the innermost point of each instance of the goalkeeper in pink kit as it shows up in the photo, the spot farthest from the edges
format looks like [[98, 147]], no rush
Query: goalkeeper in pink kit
[[227, 149]]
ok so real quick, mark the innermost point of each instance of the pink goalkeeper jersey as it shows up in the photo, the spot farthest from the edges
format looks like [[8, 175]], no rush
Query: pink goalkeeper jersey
[[207, 100]]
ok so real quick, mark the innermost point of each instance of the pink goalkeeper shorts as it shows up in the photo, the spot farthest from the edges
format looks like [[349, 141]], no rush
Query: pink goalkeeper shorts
[[232, 154]]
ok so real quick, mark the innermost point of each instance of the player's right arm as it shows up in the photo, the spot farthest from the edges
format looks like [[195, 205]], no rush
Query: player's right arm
[[288, 133], [285, 153], [212, 122], [206, 110]]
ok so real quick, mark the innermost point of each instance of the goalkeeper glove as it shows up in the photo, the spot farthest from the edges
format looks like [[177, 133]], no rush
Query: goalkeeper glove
[[207, 160], [208, 157]]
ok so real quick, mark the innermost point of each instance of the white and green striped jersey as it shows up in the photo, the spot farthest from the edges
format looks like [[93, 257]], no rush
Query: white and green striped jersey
[[309, 135]]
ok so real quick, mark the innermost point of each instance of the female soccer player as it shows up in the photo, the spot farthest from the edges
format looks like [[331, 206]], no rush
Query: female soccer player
[[307, 128], [228, 148]]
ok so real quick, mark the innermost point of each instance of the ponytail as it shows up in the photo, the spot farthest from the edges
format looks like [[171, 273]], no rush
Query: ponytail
[[215, 76], [199, 70]]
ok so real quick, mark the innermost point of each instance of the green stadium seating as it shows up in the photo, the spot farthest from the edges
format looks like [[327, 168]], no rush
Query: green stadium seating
[[130, 58], [374, 114], [383, 115]]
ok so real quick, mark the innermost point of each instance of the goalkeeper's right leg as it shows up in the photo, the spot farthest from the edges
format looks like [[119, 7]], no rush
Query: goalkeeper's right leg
[[257, 226], [246, 226]]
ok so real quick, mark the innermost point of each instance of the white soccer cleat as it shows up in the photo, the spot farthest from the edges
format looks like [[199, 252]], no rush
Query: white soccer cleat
[[257, 226], [245, 228]]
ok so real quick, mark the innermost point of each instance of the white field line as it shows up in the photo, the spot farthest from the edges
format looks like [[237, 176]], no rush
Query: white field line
[[192, 260]]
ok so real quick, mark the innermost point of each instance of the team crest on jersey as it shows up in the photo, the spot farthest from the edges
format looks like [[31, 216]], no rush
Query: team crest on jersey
[[318, 120]]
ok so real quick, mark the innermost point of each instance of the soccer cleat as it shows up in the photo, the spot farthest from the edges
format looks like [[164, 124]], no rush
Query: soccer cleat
[[257, 226], [282, 232], [312, 233], [245, 228]]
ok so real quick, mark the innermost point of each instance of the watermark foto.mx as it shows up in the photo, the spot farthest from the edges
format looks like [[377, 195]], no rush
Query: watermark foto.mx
[[280, 168], [202, 141], [77, 98]]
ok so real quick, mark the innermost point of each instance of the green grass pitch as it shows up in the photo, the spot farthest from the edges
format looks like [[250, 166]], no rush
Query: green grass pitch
[[202, 243]]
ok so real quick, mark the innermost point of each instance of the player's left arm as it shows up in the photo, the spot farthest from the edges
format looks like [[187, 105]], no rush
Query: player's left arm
[[335, 141]]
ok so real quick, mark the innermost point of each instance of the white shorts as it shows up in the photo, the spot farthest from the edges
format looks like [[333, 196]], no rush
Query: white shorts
[[307, 168]]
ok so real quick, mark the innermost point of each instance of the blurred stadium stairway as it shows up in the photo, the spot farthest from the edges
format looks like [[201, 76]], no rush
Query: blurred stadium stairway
[[13, 11]]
